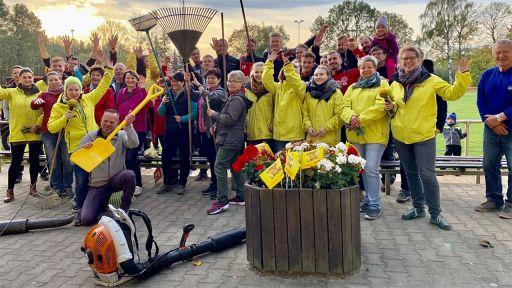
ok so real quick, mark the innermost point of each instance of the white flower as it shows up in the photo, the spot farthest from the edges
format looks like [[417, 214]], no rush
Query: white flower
[[342, 147], [341, 159], [325, 164], [337, 169], [353, 159], [326, 147], [289, 146]]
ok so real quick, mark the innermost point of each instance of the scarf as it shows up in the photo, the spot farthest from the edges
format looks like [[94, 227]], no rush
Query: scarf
[[31, 90], [370, 82], [257, 87], [411, 80], [56, 91], [323, 91]]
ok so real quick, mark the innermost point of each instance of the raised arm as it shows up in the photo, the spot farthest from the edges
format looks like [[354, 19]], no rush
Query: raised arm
[[41, 43]]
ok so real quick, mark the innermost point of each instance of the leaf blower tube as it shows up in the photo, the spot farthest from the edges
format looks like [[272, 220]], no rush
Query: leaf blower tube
[[25, 225], [216, 243]]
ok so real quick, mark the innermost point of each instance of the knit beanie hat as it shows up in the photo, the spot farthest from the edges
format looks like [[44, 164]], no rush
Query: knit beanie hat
[[178, 76], [72, 80], [452, 116], [381, 20]]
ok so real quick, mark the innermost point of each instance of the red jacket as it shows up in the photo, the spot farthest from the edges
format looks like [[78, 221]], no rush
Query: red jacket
[[106, 102], [159, 121], [346, 78], [49, 100]]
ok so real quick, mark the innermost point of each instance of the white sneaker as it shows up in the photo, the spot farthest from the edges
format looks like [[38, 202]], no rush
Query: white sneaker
[[138, 191]]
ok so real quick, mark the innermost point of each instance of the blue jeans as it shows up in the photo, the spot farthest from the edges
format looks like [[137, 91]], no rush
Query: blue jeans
[[495, 147], [419, 161], [81, 185], [371, 176], [61, 174]]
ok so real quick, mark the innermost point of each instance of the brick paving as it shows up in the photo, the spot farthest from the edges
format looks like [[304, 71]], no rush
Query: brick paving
[[394, 253]]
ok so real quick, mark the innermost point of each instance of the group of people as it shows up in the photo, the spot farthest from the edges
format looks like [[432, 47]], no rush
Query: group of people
[[283, 96]]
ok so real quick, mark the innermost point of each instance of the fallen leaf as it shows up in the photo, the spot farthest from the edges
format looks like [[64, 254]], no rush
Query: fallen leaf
[[486, 243], [197, 263]]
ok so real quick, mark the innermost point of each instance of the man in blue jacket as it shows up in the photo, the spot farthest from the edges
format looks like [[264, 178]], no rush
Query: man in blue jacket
[[494, 102]]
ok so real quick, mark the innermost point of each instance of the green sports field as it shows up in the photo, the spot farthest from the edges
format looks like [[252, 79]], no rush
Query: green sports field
[[466, 109]]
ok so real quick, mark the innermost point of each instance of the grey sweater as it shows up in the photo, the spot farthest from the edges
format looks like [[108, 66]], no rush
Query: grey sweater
[[114, 164], [452, 135]]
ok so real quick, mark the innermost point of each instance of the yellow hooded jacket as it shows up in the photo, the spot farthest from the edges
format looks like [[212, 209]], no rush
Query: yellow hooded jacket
[[21, 114], [83, 121], [259, 116], [152, 71], [416, 121], [288, 100], [318, 114], [367, 103]]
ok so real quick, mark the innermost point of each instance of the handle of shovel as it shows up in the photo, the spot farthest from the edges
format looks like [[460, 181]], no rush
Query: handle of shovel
[[154, 91]]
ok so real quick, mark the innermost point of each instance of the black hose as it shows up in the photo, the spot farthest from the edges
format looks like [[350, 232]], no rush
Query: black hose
[[25, 225], [214, 244]]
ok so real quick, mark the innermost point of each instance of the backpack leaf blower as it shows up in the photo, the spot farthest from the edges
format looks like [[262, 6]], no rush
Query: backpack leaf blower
[[110, 247]]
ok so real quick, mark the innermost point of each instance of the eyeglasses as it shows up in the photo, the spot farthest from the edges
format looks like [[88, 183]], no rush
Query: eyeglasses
[[377, 53], [409, 58], [234, 81]]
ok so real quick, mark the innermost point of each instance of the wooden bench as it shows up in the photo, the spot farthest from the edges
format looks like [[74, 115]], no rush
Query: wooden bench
[[445, 165]]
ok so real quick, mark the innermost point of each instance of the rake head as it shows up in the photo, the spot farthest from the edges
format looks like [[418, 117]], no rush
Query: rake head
[[48, 200], [143, 23], [184, 25]]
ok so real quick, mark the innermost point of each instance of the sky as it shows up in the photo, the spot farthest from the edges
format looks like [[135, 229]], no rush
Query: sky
[[59, 17]]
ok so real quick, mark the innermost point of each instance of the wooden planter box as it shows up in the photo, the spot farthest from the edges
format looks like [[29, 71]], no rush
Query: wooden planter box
[[305, 231]]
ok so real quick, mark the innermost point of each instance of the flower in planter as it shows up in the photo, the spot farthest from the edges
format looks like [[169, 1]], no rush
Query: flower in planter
[[322, 166]]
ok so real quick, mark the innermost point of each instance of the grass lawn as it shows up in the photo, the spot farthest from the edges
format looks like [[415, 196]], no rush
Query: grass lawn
[[466, 109]]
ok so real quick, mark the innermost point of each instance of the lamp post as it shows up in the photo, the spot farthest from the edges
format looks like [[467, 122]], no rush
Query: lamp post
[[72, 40], [298, 22]]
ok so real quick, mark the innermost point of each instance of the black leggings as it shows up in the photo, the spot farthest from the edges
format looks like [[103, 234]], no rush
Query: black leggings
[[17, 151]]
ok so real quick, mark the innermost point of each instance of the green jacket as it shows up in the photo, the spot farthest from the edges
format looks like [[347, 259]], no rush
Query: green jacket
[[288, 100], [416, 121], [83, 121], [367, 103], [21, 115]]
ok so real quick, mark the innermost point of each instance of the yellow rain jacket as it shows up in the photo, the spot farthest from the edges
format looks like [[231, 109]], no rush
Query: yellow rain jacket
[[367, 103], [152, 71], [288, 100], [319, 113], [21, 114], [416, 121], [83, 121], [259, 116]]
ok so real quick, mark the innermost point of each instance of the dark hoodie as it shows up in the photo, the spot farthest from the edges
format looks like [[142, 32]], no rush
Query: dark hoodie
[[231, 122]]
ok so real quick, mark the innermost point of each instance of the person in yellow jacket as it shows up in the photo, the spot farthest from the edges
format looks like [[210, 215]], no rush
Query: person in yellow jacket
[[363, 111], [145, 65], [259, 116], [413, 105], [321, 111], [78, 121], [288, 100], [24, 124]]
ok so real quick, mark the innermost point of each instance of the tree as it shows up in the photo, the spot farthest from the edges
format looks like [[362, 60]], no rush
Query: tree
[[465, 24], [481, 60], [353, 18], [125, 35], [260, 32], [495, 18], [437, 25]]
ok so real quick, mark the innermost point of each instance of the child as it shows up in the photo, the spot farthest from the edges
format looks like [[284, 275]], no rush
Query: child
[[387, 40], [452, 135]]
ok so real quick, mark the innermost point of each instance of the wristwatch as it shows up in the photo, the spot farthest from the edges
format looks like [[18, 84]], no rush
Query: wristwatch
[[498, 117]]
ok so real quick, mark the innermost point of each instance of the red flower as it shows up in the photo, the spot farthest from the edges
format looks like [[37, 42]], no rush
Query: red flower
[[238, 166], [251, 152], [259, 167], [361, 171], [352, 151]]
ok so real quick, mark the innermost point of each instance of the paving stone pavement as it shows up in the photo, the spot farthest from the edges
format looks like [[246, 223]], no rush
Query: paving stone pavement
[[395, 253]]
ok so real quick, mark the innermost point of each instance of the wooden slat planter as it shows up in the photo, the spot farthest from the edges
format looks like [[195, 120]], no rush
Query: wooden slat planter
[[303, 231]]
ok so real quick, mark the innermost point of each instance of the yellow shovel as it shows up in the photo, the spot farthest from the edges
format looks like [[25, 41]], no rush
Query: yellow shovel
[[101, 149]]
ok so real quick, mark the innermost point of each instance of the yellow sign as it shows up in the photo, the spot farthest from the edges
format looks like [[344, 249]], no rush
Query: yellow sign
[[273, 174], [310, 158], [292, 165], [264, 146]]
